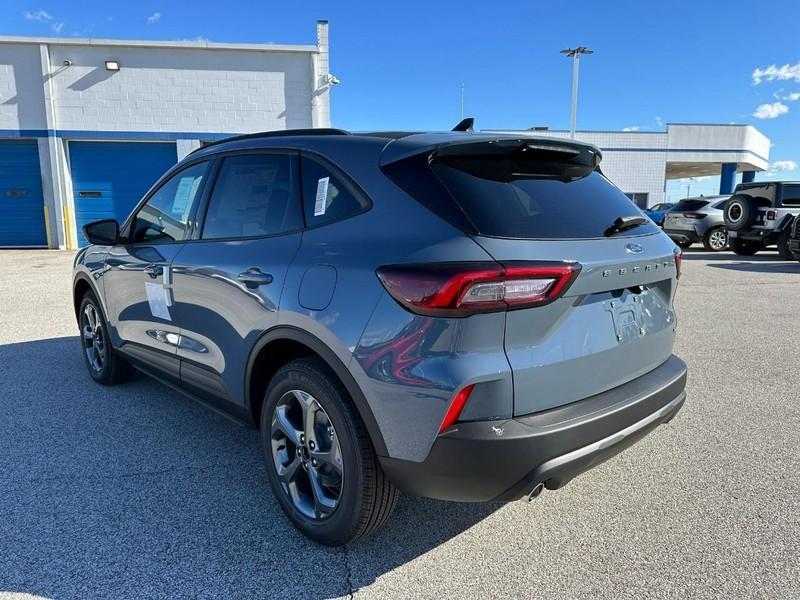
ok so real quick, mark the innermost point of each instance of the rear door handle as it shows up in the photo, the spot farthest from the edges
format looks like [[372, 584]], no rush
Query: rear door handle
[[154, 270], [255, 277]]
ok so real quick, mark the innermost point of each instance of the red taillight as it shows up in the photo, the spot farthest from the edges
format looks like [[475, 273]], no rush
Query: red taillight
[[678, 262], [461, 289], [694, 215], [456, 406], [771, 215]]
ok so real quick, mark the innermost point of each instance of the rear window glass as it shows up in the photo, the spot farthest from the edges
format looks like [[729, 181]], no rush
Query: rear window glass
[[517, 199], [689, 205]]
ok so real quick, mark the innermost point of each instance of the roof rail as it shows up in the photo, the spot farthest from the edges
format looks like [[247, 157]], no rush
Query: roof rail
[[278, 133]]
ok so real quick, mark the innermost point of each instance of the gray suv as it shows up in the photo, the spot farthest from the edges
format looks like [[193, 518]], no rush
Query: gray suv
[[700, 219], [460, 316]]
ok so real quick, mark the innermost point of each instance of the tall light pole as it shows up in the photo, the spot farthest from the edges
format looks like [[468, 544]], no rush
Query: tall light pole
[[575, 55]]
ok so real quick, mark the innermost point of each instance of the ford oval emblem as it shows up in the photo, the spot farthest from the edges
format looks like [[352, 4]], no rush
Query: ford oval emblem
[[633, 248]]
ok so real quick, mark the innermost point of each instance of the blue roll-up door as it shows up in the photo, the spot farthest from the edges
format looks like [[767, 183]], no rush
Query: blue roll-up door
[[109, 178], [21, 198]]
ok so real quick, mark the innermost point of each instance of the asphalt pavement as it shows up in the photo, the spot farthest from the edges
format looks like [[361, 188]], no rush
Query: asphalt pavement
[[136, 492]]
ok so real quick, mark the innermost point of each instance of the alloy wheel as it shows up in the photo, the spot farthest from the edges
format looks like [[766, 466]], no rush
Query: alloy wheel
[[718, 240], [307, 455], [93, 342]]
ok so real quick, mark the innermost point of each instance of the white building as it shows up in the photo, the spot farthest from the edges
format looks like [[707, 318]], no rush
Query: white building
[[86, 126], [640, 163]]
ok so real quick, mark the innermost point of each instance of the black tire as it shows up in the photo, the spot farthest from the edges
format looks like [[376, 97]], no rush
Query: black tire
[[716, 239], [740, 212], [109, 368], [684, 244], [366, 497], [783, 244], [744, 247]]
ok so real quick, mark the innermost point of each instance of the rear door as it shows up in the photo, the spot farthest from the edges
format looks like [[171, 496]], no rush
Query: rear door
[[227, 284], [137, 281], [615, 322]]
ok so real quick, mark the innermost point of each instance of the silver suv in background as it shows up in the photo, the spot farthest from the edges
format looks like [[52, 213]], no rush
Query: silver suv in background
[[698, 219], [439, 313], [761, 214]]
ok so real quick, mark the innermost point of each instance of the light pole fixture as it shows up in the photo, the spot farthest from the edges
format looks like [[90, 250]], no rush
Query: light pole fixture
[[112, 65], [575, 55]]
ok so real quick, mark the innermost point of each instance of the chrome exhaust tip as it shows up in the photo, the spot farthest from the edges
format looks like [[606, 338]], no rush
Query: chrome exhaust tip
[[535, 492]]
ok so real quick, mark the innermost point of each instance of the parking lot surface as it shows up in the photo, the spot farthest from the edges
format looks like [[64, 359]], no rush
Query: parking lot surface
[[135, 491]]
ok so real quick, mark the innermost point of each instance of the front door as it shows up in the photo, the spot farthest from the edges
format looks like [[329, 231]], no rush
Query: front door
[[137, 282], [227, 284]]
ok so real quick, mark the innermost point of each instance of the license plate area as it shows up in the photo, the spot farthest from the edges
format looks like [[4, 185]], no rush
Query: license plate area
[[636, 315]]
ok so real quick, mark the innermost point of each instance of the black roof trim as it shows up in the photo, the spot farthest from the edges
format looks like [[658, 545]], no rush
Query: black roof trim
[[279, 133]]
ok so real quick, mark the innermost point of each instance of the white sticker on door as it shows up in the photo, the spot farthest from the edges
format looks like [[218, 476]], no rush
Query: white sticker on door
[[157, 299], [321, 203]]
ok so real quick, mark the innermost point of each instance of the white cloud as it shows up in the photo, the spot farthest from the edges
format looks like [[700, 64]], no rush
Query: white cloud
[[154, 18], [771, 110], [57, 26], [781, 165], [773, 72], [40, 15], [794, 96], [633, 128], [659, 122]]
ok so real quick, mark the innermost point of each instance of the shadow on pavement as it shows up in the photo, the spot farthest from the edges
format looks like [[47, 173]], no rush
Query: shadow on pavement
[[135, 491]]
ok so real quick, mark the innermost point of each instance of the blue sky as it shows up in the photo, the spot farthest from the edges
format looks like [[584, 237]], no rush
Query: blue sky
[[401, 64]]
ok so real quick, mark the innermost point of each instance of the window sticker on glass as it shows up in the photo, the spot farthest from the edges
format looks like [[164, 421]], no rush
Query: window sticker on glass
[[321, 203]]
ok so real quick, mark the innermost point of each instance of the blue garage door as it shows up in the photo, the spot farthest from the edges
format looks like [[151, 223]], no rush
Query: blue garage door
[[109, 178], [21, 199]]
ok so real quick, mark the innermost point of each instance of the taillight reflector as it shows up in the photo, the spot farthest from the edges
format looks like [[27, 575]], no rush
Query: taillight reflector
[[461, 289], [771, 215], [456, 406], [694, 215]]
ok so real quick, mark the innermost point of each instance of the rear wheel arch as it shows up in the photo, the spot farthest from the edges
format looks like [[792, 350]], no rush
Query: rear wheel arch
[[282, 344]]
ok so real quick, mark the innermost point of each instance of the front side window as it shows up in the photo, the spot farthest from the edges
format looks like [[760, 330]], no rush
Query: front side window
[[326, 198], [254, 195], [165, 216]]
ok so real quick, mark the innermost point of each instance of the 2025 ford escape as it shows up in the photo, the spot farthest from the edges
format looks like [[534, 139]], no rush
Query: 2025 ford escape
[[460, 316]]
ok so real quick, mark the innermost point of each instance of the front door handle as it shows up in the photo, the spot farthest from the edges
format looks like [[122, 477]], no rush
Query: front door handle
[[255, 277], [154, 270]]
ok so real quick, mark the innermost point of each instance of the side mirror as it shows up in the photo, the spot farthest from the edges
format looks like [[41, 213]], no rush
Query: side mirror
[[102, 233]]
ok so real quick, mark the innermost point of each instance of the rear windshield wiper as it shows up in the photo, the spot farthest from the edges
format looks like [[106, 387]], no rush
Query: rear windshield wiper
[[625, 223]]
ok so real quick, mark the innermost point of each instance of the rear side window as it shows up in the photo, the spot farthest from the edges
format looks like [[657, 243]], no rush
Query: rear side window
[[689, 205], [254, 195], [326, 197], [791, 195]]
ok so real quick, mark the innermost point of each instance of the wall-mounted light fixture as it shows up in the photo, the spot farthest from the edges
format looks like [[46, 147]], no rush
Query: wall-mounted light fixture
[[67, 62], [112, 65]]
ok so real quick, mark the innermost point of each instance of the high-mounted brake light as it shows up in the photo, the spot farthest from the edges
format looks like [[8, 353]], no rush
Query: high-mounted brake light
[[461, 289], [456, 406], [678, 262]]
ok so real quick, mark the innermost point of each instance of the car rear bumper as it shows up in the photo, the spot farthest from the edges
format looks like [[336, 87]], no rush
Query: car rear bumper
[[762, 236], [506, 459], [683, 235]]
